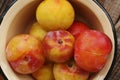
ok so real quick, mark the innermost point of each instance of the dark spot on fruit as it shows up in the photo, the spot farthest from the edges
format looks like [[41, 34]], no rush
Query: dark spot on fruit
[[70, 64], [26, 59], [60, 41]]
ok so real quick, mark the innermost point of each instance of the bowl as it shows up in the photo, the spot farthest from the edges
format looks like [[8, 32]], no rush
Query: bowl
[[22, 13]]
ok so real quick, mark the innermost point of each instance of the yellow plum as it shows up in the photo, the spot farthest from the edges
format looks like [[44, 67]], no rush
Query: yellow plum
[[55, 14]]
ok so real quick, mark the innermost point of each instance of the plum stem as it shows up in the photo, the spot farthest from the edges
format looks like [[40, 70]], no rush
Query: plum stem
[[25, 58], [60, 41]]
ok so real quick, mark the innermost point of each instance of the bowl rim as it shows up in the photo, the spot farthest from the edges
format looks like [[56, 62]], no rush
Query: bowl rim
[[113, 30], [6, 9], [114, 35]]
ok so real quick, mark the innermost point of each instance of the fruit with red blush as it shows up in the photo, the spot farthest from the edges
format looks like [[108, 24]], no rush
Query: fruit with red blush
[[91, 50], [78, 28], [58, 45], [25, 54], [69, 71]]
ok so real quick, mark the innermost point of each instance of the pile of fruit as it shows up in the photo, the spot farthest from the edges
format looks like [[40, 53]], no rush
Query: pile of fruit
[[57, 46]]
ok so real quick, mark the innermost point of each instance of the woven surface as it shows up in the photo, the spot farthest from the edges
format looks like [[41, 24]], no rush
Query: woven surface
[[113, 8]]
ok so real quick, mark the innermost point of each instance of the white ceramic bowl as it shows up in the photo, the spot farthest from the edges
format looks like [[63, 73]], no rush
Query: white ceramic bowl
[[21, 14]]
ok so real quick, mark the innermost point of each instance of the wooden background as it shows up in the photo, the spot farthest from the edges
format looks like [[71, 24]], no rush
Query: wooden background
[[113, 8]]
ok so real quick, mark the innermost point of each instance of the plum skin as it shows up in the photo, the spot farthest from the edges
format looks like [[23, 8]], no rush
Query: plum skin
[[24, 53]]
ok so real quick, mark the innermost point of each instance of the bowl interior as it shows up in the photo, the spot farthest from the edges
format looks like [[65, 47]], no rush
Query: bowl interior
[[22, 14]]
